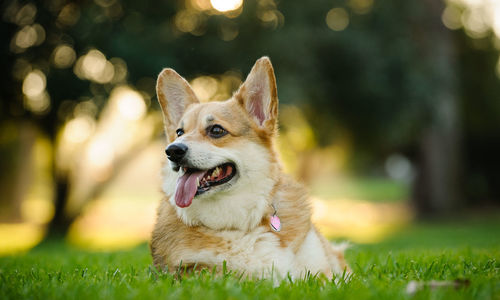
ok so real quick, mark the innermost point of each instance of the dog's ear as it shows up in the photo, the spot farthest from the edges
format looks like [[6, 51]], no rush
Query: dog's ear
[[175, 95], [258, 94]]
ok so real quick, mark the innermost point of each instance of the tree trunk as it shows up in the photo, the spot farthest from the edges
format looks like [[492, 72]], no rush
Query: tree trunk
[[17, 167], [60, 223], [437, 188]]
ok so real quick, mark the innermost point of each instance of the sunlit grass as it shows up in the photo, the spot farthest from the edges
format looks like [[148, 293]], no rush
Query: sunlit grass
[[15, 238], [115, 223], [359, 221]]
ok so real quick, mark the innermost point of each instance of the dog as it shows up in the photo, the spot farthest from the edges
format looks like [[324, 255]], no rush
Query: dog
[[227, 203]]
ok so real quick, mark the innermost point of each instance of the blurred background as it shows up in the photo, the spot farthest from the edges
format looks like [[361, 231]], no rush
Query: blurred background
[[389, 110]]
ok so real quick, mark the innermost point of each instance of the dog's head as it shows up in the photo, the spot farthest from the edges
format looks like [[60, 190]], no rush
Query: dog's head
[[221, 159]]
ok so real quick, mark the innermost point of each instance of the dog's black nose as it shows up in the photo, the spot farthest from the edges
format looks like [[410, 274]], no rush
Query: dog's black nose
[[176, 152]]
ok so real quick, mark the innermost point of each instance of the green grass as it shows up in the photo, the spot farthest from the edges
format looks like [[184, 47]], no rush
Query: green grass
[[468, 250]]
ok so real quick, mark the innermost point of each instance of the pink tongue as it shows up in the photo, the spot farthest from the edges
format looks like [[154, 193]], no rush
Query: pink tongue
[[186, 188]]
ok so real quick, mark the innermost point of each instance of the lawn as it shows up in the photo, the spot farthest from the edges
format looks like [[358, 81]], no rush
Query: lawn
[[465, 254]]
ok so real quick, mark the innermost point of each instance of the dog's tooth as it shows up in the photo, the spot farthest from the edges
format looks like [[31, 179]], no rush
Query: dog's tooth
[[216, 172], [197, 182]]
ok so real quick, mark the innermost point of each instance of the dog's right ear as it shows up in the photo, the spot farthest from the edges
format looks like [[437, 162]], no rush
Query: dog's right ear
[[175, 95], [258, 95]]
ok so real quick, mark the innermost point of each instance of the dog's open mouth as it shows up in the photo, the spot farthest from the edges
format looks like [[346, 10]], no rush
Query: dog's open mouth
[[195, 182]]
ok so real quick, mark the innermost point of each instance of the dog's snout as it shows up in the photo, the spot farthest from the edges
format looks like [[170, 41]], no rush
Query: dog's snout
[[176, 152]]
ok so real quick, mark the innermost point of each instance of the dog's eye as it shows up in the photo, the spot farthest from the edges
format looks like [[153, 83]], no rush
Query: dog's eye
[[179, 131], [216, 131]]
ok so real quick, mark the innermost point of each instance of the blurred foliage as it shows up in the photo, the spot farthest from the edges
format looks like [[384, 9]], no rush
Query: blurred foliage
[[360, 70]]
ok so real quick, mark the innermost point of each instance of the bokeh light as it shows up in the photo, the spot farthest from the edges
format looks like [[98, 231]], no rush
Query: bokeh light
[[79, 129], [226, 5], [26, 15], [94, 66], [476, 16], [86, 108], [189, 21], [204, 87], [38, 104], [361, 6], [271, 18], [131, 104], [121, 72], [36, 98], [475, 23], [337, 19], [26, 37], [34, 83], [202, 5], [400, 168], [216, 87], [69, 15], [63, 56], [451, 17]]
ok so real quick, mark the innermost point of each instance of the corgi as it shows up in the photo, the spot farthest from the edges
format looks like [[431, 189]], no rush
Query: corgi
[[226, 198]]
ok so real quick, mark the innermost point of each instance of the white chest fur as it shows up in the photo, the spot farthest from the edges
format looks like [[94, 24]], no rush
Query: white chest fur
[[260, 254]]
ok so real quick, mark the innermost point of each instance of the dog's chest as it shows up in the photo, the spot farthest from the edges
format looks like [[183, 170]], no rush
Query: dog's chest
[[260, 252]]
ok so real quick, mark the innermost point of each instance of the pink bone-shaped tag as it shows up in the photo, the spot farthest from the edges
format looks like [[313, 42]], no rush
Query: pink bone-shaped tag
[[275, 223]]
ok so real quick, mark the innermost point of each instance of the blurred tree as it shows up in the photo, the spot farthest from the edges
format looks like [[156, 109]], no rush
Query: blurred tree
[[386, 75], [437, 188], [48, 85]]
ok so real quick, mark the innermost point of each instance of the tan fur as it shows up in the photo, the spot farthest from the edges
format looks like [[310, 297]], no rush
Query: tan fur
[[188, 236]]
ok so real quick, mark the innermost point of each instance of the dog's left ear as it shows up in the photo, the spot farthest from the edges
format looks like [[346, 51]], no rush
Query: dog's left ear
[[258, 95], [175, 95]]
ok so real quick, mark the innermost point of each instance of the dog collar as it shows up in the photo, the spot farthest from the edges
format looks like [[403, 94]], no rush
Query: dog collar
[[275, 221]]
